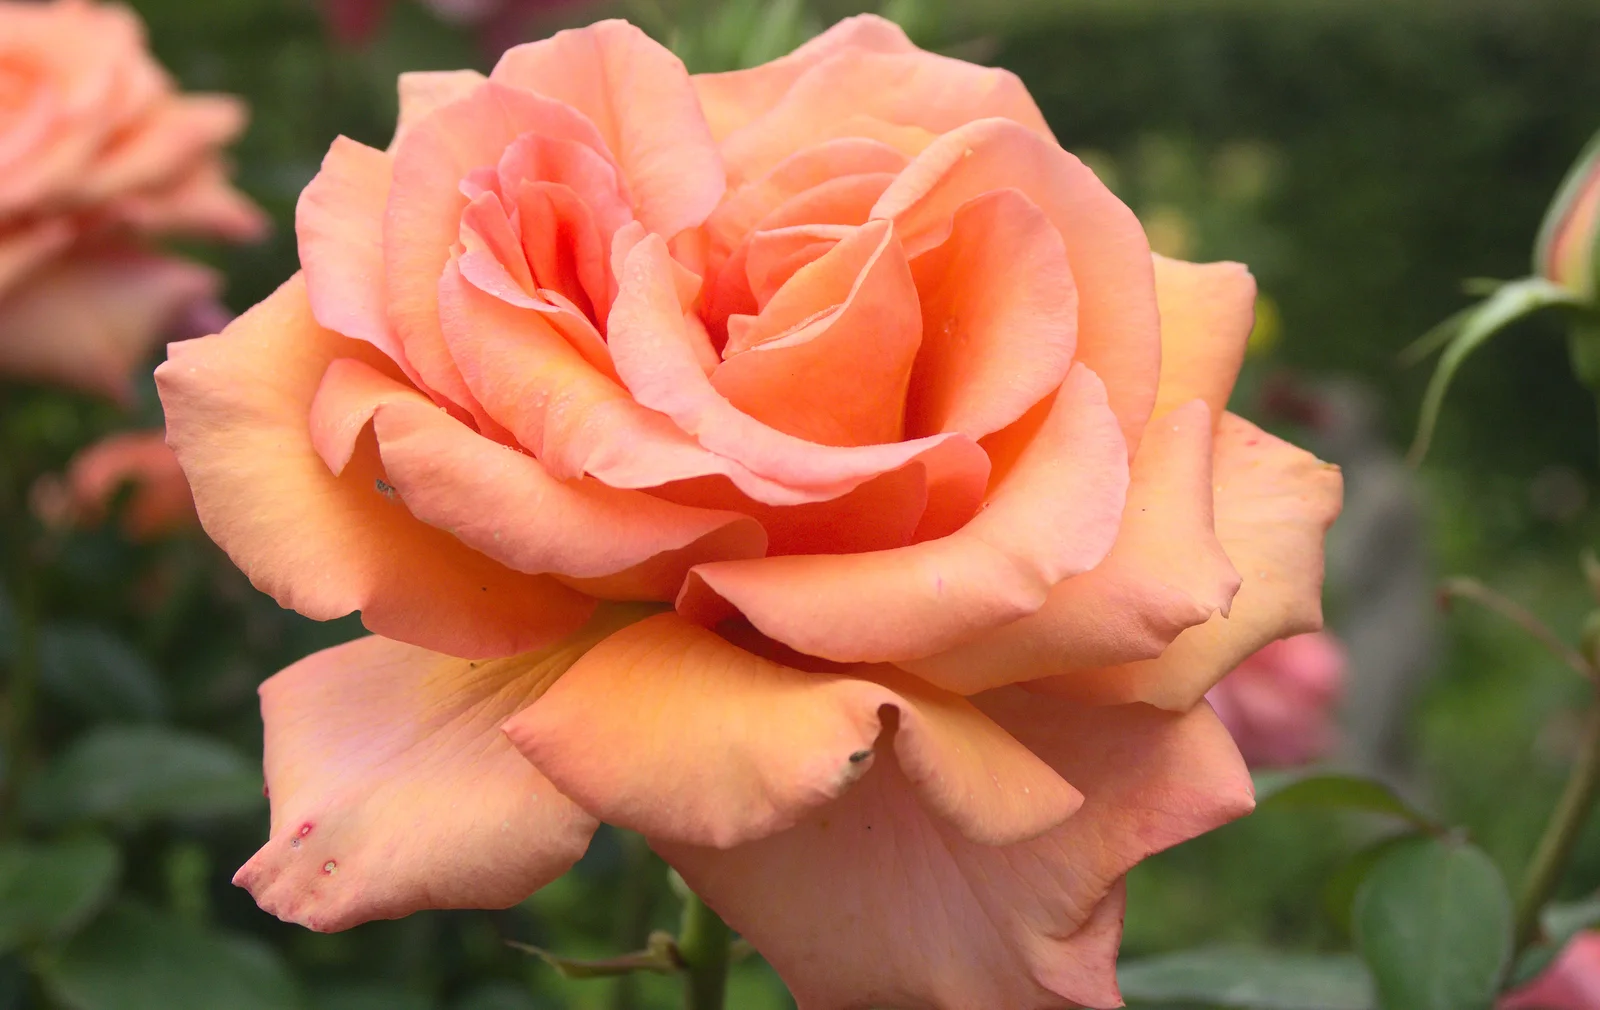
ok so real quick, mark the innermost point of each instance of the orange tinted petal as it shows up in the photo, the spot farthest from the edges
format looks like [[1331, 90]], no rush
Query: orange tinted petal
[[667, 729], [639, 96], [1274, 504], [1207, 312], [1166, 572], [422, 91], [237, 415], [1119, 334], [1054, 515], [394, 790]]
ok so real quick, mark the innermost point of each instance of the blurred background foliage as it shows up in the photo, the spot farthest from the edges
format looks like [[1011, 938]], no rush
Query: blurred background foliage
[[1363, 156]]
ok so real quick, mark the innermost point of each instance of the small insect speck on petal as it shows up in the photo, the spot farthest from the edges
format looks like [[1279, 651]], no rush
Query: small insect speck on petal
[[385, 488], [294, 843]]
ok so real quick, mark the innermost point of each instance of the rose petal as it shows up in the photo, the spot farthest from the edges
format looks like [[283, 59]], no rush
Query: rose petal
[[1166, 572], [502, 502], [237, 407], [422, 91], [26, 248], [884, 905], [394, 790], [1119, 333], [162, 147], [667, 729], [639, 96], [1207, 312], [1054, 515], [1274, 504]]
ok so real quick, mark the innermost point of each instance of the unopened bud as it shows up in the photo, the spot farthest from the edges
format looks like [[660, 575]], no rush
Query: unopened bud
[[1565, 252]]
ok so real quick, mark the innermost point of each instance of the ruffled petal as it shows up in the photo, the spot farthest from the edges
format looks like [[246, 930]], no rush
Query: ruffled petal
[[1207, 312], [669, 730], [639, 96], [237, 415], [1119, 328], [1053, 516], [1274, 504], [503, 502], [394, 790], [869, 901], [1167, 572]]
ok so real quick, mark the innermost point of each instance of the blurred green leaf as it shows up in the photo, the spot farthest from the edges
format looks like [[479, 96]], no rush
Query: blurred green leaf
[[1249, 980], [497, 996], [1433, 922], [1339, 893], [1559, 923], [128, 775], [135, 958], [48, 890], [1336, 791], [98, 674]]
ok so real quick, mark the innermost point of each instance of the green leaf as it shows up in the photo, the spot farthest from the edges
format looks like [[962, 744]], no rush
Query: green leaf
[[128, 775], [1433, 922], [48, 890], [1513, 301], [98, 674], [1336, 791], [1559, 924], [1339, 892], [134, 958], [1249, 980]]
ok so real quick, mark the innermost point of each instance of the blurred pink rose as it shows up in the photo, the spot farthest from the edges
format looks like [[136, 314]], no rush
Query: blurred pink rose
[[159, 502], [1279, 703], [499, 22], [1571, 983], [98, 151]]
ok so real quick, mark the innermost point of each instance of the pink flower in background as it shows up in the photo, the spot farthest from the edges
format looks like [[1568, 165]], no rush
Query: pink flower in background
[[1571, 983], [1280, 703], [500, 23], [158, 503], [99, 152]]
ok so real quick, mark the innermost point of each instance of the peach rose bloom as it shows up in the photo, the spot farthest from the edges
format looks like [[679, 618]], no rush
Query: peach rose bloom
[[808, 467], [1572, 982], [97, 151], [1280, 704], [158, 503]]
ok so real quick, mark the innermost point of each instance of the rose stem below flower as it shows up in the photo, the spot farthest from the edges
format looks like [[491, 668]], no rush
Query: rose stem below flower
[[703, 944], [1560, 833]]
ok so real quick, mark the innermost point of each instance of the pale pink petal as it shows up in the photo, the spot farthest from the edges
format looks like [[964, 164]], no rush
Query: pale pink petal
[[1274, 504], [1053, 516], [164, 146], [1166, 572], [202, 202], [639, 96], [1207, 311], [1571, 983], [237, 409], [1119, 334], [394, 790], [422, 91], [870, 901], [667, 729], [26, 248]]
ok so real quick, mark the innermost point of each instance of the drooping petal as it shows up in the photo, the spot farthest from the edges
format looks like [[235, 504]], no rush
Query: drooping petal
[[87, 321], [670, 730], [238, 408], [999, 318], [1119, 331], [1033, 924], [1166, 572], [734, 98], [1053, 516], [503, 502], [394, 790], [1274, 504], [639, 96], [1207, 311]]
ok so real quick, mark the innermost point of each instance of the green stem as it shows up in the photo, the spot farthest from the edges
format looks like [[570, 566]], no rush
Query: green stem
[[1561, 833], [703, 944]]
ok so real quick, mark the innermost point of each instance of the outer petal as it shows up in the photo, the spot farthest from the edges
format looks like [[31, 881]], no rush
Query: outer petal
[[667, 729], [173, 136], [422, 91], [735, 98], [88, 321], [1274, 504], [394, 790], [1118, 324], [639, 96], [1031, 925], [237, 414], [26, 248], [503, 502], [1167, 572], [1207, 312], [1054, 515]]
